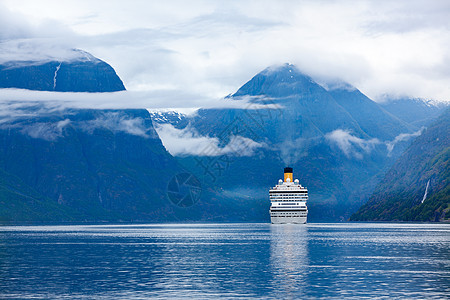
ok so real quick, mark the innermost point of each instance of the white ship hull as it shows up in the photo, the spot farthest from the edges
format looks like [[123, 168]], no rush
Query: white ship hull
[[288, 217], [288, 220]]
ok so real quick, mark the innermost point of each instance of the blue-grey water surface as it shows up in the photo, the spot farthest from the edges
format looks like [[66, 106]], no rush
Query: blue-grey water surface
[[226, 260]]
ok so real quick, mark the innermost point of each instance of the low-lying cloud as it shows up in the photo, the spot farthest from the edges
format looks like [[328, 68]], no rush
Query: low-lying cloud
[[18, 115], [291, 151], [402, 137], [186, 142], [126, 99], [116, 121], [351, 145], [45, 130]]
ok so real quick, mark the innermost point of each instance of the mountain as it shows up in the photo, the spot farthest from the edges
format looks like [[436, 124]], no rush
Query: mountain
[[372, 117], [20, 202], [337, 149], [415, 111], [81, 73], [100, 164], [417, 187], [84, 165], [301, 100], [79, 165]]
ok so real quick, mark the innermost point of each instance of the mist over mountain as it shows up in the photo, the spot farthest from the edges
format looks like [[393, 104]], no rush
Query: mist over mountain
[[338, 141], [90, 165], [97, 164], [80, 72], [372, 118], [416, 188], [76, 165], [82, 165], [418, 112]]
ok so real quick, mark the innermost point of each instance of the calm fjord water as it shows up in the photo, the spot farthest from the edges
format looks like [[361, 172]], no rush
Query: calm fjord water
[[226, 260]]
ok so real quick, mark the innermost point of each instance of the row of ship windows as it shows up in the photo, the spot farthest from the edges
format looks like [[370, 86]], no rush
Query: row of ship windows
[[288, 202], [289, 194], [289, 199], [290, 215], [285, 205], [275, 207], [280, 212]]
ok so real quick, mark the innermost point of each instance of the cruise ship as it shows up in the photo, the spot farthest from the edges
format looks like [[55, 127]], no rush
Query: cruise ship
[[288, 200]]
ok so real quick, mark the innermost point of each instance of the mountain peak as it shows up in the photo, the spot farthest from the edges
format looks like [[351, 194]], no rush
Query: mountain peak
[[69, 70], [39, 52], [286, 68], [278, 81]]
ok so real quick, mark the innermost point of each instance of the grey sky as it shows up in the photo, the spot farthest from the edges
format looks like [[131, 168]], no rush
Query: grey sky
[[194, 52]]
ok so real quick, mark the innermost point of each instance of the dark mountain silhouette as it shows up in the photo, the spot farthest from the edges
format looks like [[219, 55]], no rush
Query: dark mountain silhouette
[[84, 73]]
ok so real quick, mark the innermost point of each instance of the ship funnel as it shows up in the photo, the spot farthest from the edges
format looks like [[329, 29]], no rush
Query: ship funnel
[[288, 174]]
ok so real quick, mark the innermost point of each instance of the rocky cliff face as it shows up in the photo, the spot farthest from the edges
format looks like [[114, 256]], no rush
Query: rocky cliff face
[[417, 187], [82, 73]]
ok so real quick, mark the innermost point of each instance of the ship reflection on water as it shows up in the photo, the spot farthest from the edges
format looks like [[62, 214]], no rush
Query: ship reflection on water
[[289, 259]]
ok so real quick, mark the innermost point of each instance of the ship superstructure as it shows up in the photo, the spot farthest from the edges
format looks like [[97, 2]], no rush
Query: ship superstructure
[[288, 200]]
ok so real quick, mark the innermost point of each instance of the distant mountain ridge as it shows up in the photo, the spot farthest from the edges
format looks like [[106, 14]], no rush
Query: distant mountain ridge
[[78, 165], [417, 112], [336, 140], [82, 72], [417, 187]]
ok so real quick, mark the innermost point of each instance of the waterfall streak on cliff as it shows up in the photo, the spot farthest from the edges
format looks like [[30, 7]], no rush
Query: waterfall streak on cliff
[[56, 74], [426, 192]]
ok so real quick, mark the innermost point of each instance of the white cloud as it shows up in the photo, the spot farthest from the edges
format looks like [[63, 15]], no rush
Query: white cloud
[[12, 115], [117, 121], [45, 130], [184, 142], [11, 110], [124, 99], [291, 151], [402, 137], [208, 49], [36, 51], [351, 145]]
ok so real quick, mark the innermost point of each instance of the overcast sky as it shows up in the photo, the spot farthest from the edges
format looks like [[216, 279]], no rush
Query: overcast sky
[[192, 53]]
